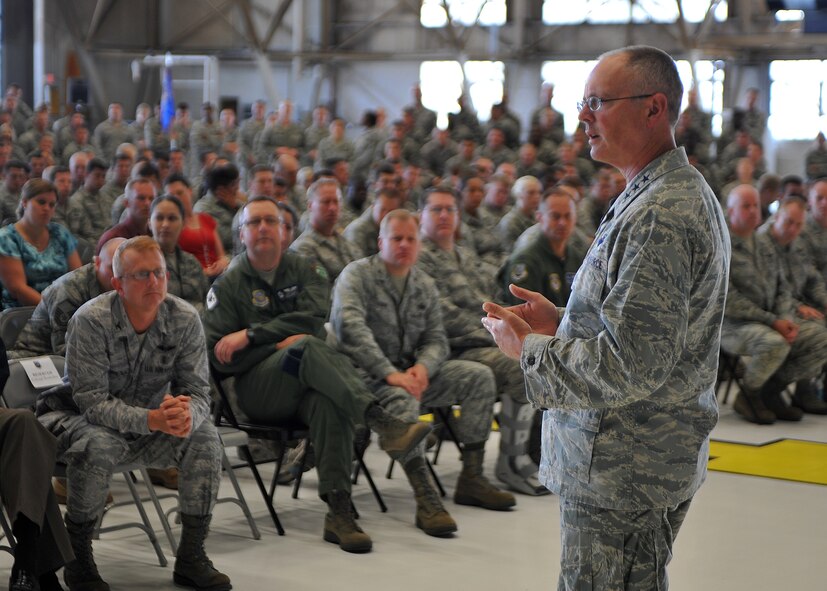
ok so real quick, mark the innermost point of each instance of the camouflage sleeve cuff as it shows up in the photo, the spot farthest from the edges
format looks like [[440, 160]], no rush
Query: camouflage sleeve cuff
[[539, 389]]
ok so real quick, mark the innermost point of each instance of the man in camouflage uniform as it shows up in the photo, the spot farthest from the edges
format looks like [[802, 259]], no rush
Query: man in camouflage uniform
[[15, 175], [264, 317], [281, 137], [322, 242], [526, 191], [547, 261], [205, 135], [386, 317], [112, 133], [221, 201], [363, 232], [628, 376], [762, 321], [90, 214], [248, 131], [814, 234], [805, 283], [464, 283], [45, 332], [138, 392]]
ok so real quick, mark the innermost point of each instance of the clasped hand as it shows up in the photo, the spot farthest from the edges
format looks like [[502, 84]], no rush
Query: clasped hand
[[510, 326]]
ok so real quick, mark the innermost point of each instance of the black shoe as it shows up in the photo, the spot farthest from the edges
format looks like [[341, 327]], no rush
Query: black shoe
[[22, 580]]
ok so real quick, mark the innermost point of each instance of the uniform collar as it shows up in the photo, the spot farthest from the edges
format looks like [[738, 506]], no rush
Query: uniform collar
[[665, 163]]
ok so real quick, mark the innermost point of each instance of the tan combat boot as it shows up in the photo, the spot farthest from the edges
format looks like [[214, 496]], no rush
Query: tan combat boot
[[431, 516], [474, 489], [340, 527]]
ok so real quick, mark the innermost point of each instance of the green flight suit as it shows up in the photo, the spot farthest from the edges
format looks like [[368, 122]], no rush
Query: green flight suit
[[309, 380]]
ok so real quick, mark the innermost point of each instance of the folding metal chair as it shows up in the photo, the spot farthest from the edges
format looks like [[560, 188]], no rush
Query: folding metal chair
[[281, 433], [6, 533], [12, 321], [19, 393]]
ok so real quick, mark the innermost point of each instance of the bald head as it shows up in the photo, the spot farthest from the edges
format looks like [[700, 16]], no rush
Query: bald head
[[743, 210], [103, 263]]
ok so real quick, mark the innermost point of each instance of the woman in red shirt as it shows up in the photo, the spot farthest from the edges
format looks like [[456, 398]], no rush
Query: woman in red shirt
[[199, 236]]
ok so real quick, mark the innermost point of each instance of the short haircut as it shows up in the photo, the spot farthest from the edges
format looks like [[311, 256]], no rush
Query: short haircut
[[556, 191], [171, 199], [257, 169], [16, 164], [441, 189], [521, 184], [388, 192], [287, 208], [222, 176], [654, 70], [769, 182], [141, 244], [53, 171], [177, 177], [794, 200], [403, 215], [131, 186], [313, 190], [250, 201], [148, 170], [96, 164]]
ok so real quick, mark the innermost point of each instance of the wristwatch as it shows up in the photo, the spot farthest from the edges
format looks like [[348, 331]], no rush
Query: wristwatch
[[251, 335]]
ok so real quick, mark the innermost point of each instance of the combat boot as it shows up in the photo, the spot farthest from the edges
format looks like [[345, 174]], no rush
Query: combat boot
[[396, 437], [168, 478], [806, 398], [474, 489], [771, 395], [431, 516], [82, 573], [749, 405], [341, 528], [192, 567]]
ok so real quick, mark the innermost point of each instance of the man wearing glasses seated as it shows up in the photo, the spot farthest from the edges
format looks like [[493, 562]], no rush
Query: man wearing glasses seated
[[139, 393]]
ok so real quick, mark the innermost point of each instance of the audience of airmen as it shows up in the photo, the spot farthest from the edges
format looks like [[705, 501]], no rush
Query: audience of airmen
[[409, 217]]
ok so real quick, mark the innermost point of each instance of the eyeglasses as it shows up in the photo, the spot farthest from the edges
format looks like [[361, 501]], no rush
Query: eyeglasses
[[438, 209], [595, 102], [270, 221], [144, 275]]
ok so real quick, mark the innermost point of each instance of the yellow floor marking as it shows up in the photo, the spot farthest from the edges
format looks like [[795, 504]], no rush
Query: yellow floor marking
[[785, 459]]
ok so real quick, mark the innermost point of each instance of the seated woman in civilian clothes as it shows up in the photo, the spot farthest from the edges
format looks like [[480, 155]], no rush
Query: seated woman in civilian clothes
[[199, 236], [185, 277], [34, 251]]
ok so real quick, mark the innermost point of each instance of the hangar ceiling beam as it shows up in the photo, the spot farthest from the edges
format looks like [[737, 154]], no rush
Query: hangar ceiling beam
[[275, 23], [102, 8]]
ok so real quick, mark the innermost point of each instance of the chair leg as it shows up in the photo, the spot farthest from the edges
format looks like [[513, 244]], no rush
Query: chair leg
[[377, 495], [239, 500], [7, 532], [147, 526], [437, 481], [268, 500], [153, 496]]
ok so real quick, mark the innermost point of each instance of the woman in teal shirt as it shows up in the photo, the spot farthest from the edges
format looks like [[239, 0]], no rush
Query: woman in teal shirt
[[34, 251]]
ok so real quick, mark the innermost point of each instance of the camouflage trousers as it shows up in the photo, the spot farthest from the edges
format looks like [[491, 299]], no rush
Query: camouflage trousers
[[609, 550], [468, 384], [507, 372], [92, 452], [770, 354]]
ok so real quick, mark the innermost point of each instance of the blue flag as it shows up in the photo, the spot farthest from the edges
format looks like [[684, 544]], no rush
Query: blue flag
[[167, 101]]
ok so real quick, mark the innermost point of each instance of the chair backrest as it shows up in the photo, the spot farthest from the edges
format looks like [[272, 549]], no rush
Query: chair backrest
[[12, 321], [19, 392]]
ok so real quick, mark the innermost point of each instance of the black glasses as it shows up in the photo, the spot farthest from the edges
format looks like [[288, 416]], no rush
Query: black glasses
[[595, 102]]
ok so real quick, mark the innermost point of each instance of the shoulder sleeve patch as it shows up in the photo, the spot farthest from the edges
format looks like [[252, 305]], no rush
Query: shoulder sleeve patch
[[212, 299], [519, 272], [320, 271]]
